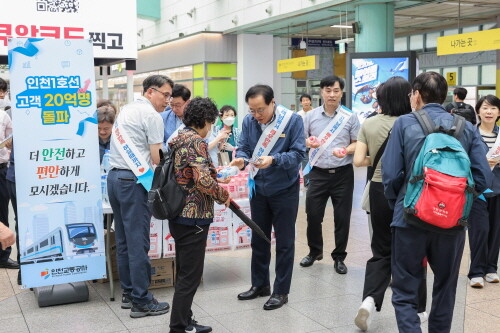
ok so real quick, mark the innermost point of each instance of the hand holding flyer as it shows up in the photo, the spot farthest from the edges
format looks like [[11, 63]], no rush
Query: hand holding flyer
[[313, 142]]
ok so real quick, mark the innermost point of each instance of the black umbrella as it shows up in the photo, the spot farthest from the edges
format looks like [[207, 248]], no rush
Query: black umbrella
[[236, 209]]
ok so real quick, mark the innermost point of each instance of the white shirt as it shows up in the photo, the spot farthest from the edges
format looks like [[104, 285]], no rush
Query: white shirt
[[143, 125], [5, 131]]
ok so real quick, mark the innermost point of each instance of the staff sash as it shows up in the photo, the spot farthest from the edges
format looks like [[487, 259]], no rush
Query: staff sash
[[331, 131], [132, 156], [267, 140]]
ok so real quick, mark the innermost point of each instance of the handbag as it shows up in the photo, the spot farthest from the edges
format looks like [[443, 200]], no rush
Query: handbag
[[365, 198], [223, 158]]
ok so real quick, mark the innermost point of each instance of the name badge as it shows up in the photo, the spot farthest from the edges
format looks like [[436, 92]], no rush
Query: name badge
[[283, 135]]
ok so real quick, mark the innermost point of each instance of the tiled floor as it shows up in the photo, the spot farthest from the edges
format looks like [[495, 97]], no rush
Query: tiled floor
[[320, 300]]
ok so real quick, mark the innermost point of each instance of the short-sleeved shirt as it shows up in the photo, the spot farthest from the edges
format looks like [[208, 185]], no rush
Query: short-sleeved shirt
[[315, 122], [373, 133], [144, 127], [5, 131]]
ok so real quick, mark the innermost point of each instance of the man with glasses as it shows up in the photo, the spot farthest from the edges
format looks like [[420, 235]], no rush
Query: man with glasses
[[172, 118], [135, 143], [272, 140], [331, 173]]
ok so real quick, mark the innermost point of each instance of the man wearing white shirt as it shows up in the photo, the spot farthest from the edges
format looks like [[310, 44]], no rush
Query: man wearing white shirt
[[141, 126]]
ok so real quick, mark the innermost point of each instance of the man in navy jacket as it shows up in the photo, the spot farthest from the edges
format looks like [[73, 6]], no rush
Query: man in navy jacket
[[411, 244], [276, 198]]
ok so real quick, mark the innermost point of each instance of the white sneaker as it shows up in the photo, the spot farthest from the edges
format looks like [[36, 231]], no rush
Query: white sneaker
[[492, 278], [423, 317], [364, 316], [477, 282]]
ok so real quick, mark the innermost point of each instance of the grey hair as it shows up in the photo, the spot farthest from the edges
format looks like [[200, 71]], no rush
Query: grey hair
[[106, 114]]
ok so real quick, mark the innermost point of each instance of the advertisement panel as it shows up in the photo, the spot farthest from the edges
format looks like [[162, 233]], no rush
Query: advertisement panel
[[110, 24], [367, 71], [57, 161]]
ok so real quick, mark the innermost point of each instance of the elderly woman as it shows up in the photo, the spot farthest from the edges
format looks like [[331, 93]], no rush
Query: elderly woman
[[105, 117], [196, 174]]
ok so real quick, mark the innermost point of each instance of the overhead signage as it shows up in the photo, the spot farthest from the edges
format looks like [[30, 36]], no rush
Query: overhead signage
[[451, 78], [314, 42], [297, 64], [470, 42], [58, 182], [74, 19]]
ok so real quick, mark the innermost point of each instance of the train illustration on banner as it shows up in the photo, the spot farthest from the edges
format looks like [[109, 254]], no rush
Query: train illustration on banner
[[62, 243]]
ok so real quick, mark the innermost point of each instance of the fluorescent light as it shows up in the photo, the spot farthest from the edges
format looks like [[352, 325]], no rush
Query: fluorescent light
[[341, 26]]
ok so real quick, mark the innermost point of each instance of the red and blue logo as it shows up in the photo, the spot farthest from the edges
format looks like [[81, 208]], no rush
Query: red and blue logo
[[45, 273]]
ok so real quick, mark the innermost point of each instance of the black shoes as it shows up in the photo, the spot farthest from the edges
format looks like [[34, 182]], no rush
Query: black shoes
[[275, 302], [194, 327], [254, 292], [310, 259], [153, 308], [126, 301], [340, 267], [9, 264]]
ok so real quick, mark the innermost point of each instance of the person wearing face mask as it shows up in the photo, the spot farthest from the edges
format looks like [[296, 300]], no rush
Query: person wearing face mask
[[196, 174], [226, 136], [484, 230]]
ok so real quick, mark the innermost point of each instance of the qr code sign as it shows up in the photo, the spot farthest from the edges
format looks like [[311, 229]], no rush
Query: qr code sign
[[60, 6]]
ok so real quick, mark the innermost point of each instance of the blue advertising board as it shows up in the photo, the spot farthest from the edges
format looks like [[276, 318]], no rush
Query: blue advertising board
[[57, 168]]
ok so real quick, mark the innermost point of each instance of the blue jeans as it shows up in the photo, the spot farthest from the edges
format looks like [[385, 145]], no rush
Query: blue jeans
[[132, 222]]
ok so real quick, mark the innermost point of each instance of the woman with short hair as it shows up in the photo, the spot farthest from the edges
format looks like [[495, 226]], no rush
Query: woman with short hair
[[195, 173]]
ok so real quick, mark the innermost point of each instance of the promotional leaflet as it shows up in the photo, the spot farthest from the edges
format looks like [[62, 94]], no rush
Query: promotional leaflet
[[56, 147]]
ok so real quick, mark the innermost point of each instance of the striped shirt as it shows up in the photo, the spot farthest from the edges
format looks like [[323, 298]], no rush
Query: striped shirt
[[488, 138]]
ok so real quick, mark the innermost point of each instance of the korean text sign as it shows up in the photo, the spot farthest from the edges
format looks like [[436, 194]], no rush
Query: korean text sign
[[56, 161], [113, 35]]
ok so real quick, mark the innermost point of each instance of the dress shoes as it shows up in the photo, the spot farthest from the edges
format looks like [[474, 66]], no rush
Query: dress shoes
[[340, 267], [9, 264], [275, 302], [310, 259], [254, 292]]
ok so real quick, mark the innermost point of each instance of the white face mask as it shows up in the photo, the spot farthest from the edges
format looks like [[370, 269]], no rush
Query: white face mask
[[3, 103], [229, 121]]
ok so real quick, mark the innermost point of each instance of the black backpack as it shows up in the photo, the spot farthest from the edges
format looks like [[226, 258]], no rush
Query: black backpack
[[167, 198], [464, 110]]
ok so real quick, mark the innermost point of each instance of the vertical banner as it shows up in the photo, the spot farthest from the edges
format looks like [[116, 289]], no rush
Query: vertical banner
[[57, 161]]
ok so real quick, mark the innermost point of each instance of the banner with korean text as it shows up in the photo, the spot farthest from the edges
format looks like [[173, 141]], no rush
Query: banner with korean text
[[57, 168]]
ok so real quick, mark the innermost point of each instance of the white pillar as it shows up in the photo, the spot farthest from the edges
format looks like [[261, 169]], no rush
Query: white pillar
[[255, 65], [130, 86], [105, 89]]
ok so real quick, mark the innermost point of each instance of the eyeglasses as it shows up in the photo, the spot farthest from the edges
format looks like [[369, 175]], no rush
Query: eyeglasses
[[166, 95], [176, 106], [411, 93], [253, 112]]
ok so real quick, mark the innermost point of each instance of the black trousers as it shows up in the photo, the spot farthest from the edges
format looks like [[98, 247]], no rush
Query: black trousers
[[190, 244], [338, 186], [4, 209], [444, 253], [279, 210], [484, 236], [378, 267]]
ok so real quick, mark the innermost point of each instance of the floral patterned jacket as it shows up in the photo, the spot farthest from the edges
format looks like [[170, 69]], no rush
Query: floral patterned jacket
[[196, 174]]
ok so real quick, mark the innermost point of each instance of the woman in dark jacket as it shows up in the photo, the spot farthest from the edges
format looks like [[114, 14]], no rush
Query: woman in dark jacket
[[484, 230], [196, 174]]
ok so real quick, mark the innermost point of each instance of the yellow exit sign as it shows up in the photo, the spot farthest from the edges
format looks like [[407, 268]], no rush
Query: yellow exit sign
[[469, 42], [297, 64]]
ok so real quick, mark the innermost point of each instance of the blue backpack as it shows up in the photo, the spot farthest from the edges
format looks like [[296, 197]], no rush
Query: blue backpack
[[440, 190]]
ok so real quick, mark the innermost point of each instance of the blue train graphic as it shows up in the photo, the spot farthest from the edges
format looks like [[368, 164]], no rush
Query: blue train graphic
[[60, 244]]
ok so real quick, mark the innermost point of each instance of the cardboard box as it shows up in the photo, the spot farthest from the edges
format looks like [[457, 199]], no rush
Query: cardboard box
[[161, 281], [242, 234], [220, 232], [160, 267], [167, 241], [162, 273], [155, 238]]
